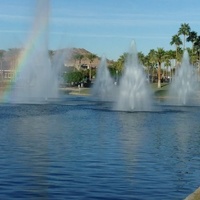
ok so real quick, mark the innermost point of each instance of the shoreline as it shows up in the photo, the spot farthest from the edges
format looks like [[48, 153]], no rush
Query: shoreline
[[76, 91], [194, 196]]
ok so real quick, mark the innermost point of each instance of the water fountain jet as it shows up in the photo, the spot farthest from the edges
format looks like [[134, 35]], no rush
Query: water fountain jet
[[184, 85], [134, 93], [103, 88], [36, 77]]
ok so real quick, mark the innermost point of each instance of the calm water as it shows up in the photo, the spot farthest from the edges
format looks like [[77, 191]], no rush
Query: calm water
[[80, 149]]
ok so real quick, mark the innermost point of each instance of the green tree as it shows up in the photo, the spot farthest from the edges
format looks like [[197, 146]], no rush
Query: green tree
[[141, 58], [147, 64], [121, 61], [171, 54], [192, 38], [152, 60], [159, 57], [197, 48], [184, 30], [117, 66], [73, 77], [167, 65], [177, 42]]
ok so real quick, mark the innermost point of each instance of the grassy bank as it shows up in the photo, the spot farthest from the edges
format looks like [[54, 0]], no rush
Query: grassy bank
[[75, 91], [158, 92]]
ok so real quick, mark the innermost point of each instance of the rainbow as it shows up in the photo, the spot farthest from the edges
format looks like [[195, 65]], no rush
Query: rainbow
[[38, 34]]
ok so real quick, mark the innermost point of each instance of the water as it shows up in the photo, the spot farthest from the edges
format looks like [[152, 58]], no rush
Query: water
[[103, 88], [184, 85], [77, 148], [134, 93], [37, 76]]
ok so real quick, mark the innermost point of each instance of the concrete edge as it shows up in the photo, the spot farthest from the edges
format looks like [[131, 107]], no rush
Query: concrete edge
[[194, 196]]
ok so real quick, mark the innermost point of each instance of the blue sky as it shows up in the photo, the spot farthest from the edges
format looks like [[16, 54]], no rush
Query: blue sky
[[104, 27]]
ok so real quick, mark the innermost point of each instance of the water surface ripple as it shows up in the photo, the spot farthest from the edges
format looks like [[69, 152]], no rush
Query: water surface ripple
[[84, 150]]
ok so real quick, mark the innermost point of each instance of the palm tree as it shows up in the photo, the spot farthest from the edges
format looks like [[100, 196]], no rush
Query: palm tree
[[192, 38], [147, 64], [151, 62], [141, 57], [184, 30], [167, 64], [119, 64], [171, 55], [177, 42], [91, 57], [160, 57], [197, 48]]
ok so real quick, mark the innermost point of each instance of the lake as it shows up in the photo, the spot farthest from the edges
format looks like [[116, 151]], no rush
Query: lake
[[79, 148]]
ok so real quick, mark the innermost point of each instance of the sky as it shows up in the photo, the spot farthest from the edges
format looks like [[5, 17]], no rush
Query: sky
[[103, 27]]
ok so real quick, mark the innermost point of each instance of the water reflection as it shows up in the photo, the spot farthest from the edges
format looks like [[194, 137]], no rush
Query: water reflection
[[27, 156], [160, 146], [84, 150]]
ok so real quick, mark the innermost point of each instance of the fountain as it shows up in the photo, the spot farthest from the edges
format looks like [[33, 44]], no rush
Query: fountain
[[184, 84], [36, 76], [134, 94], [103, 88]]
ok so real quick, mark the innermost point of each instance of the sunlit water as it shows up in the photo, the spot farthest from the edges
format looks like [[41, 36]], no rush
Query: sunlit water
[[77, 148]]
